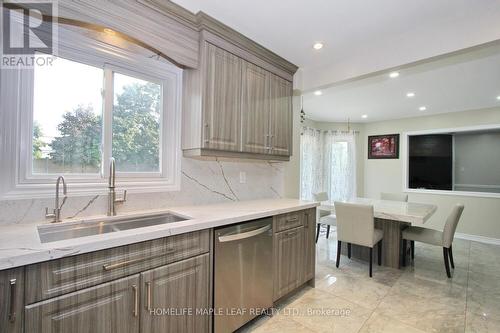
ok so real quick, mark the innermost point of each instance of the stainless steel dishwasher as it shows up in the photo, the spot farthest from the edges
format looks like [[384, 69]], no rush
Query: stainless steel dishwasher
[[243, 275]]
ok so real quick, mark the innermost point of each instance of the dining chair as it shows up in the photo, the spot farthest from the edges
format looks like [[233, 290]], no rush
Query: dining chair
[[394, 196], [435, 237], [325, 215], [356, 225]]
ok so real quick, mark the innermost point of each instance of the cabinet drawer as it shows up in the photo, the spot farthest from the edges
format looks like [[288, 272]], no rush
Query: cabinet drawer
[[111, 307], [61, 276], [289, 220]]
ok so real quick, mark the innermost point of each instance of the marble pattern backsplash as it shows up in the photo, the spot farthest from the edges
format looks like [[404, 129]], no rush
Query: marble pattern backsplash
[[202, 182]]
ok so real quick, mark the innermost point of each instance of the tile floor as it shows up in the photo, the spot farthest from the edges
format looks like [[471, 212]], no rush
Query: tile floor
[[419, 298]]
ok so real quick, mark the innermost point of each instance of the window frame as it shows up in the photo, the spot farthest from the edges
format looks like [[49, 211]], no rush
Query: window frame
[[19, 182], [406, 164]]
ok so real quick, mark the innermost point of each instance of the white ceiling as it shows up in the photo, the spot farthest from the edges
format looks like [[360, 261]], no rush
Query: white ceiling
[[360, 36], [465, 81]]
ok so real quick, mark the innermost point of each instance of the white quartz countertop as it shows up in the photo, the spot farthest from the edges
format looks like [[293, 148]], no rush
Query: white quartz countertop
[[411, 212], [20, 244]]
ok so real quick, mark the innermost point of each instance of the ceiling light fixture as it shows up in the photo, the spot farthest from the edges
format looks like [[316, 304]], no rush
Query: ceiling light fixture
[[498, 97], [318, 93], [318, 46], [109, 31], [364, 116], [422, 108], [393, 75], [410, 94]]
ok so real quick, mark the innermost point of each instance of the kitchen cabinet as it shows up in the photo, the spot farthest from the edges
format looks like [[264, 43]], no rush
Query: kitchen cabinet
[[255, 109], [236, 104], [182, 288], [289, 261], [309, 245], [11, 304], [111, 307], [280, 116], [294, 251], [221, 111]]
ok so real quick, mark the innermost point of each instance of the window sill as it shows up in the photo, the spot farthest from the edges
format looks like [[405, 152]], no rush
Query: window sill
[[453, 193], [41, 191]]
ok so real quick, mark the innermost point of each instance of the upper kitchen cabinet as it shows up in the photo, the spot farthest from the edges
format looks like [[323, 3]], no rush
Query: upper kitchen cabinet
[[255, 109], [280, 116], [238, 102], [221, 110]]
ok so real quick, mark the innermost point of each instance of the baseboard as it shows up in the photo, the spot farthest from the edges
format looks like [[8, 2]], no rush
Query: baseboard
[[480, 239]]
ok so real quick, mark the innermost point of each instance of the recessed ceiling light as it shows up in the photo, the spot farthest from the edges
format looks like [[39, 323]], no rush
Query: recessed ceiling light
[[109, 31], [498, 97], [393, 75], [318, 93], [410, 94], [364, 116], [318, 46], [422, 108]]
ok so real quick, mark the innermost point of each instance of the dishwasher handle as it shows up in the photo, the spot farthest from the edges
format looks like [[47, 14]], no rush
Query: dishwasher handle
[[244, 235]]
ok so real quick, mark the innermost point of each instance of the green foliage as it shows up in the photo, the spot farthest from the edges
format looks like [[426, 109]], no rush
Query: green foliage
[[136, 132], [38, 144], [80, 140]]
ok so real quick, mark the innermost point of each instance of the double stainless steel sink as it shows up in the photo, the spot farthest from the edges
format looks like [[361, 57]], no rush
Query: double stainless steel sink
[[52, 233]]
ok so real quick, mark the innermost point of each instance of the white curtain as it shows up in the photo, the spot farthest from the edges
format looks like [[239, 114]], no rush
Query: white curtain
[[340, 165], [328, 164], [311, 161]]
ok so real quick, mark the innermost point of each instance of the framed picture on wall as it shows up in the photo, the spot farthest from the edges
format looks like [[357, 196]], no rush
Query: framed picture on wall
[[383, 146]]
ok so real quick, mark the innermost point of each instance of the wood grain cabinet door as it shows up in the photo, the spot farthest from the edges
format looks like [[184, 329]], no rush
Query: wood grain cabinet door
[[111, 307], [289, 261], [309, 244], [222, 103], [255, 109], [175, 297], [11, 300], [280, 132]]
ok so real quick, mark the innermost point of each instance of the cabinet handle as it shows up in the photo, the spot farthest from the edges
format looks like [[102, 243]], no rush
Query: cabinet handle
[[148, 291], [307, 220], [135, 312], [108, 267], [206, 133], [12, 309], [293, 219], [271, 137], [291, 233]]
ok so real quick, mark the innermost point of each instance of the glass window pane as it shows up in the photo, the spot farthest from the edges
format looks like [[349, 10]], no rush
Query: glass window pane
[[136, 124], [67, 118]]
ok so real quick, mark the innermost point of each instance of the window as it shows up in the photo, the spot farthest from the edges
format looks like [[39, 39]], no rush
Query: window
[[70, 123], [136, 124], [460, 161], [95, 102], [67, 118]]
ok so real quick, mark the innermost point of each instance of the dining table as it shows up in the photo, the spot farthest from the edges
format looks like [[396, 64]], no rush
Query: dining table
[[391, 217]]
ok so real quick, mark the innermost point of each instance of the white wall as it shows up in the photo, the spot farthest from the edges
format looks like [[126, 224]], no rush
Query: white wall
[[481, 215]]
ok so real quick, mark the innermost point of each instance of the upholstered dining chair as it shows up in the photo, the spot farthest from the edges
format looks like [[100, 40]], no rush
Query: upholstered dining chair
[[435, 237], [394, 196], [325, 215], [356, 225]]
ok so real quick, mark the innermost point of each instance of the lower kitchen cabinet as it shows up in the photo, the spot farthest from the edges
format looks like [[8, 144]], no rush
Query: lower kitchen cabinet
[[289, 261], [11, 300], [176, 298], [309, 244], [111, 307]]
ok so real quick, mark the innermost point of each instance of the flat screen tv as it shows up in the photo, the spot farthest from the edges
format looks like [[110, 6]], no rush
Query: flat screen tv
[[431, 162]]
